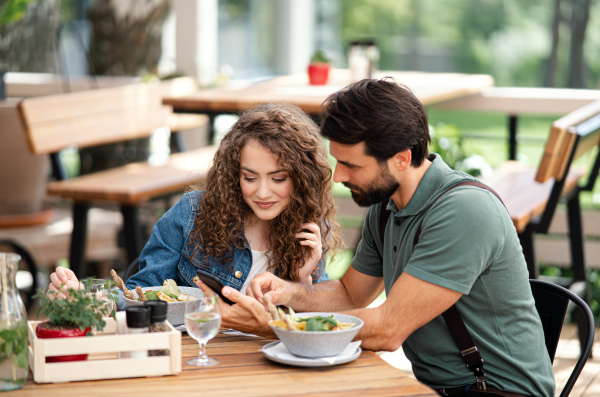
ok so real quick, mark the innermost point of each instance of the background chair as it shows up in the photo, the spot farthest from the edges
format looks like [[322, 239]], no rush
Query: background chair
[[27, 273], [552, 302], [532, 195], [132, 269]]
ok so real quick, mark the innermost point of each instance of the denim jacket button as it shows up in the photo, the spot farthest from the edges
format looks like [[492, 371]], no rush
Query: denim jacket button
[[238, 274], [195, 279]]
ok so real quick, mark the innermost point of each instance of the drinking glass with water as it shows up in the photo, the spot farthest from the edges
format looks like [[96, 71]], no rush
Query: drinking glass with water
[[102, 290], [202, 322]]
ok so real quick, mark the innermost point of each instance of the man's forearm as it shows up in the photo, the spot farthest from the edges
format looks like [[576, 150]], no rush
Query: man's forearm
[[329, 295]]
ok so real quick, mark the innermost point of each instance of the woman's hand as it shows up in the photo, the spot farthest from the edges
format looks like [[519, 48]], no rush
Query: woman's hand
[[310, 238], [266, 283], [63, 279]]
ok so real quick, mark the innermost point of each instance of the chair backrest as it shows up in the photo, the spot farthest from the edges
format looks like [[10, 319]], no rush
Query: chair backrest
[[551, 302], [132, 269], [95, 117], [26, 264], [562, 139], [570, 137]]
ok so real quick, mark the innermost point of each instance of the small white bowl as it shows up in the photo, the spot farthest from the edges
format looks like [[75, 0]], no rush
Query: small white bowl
[[314, 344], [175, 310]]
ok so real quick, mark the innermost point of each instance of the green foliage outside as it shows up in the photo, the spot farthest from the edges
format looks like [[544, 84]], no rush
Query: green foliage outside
[[511, 39], [13, 10], [594, 294]]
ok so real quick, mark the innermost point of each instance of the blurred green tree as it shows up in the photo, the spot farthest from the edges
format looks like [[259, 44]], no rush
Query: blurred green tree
[[520, 43]]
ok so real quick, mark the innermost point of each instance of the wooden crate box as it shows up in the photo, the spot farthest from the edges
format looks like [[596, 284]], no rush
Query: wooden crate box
[[103, 362]]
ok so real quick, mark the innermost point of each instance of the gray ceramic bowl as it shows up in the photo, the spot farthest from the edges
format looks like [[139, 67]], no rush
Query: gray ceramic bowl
[[176, 310], [319, 343]]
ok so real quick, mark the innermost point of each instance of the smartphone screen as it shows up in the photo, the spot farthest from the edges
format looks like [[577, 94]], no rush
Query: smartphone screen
[[214, 283]]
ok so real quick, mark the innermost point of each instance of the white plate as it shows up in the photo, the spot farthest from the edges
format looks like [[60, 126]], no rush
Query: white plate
[[306, 362]]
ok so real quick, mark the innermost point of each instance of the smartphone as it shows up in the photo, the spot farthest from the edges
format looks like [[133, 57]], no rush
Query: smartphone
[[214, 283]]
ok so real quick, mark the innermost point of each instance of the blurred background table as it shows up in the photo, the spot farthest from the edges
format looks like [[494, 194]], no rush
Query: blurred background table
[[430, 88]]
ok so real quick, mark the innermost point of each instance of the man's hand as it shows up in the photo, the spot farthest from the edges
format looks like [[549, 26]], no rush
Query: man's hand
[[61, 280], [246, 315], [310, 236], [266, 283]]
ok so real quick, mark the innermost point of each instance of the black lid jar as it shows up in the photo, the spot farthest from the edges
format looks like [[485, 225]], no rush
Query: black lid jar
[[138, 317], [158, 311]]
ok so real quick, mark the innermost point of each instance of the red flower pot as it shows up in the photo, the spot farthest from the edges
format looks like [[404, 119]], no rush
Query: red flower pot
[[46, 333], [318, 73]]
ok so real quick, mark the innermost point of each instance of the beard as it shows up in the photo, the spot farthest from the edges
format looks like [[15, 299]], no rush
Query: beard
[[376, 191]]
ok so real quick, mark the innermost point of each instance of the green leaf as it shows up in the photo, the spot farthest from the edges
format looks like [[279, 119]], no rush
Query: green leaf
[[171, 289], [328, 323], [318, 323], [313, 325], [8, 348], [172, 295], [319, 57], [22, 359], [82, 309], [151, 295]]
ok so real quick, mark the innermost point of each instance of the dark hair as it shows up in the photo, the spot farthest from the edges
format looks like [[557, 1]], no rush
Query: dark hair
[[385, 115]]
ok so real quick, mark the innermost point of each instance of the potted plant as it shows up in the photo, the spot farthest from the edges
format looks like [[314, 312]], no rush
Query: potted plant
[[318, 68], [73, 313]]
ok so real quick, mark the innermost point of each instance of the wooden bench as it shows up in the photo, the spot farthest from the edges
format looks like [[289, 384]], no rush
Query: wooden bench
[[532, 195], [110, 115]]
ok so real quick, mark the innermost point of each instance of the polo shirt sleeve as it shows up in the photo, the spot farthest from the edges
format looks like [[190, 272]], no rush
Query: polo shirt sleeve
[[368, 259], [461, 234]]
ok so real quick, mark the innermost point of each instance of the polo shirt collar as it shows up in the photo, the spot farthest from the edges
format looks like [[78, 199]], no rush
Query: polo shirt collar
[[432, 181]]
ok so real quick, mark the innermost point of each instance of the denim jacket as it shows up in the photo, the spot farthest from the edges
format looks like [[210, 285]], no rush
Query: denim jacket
[[168, 253]]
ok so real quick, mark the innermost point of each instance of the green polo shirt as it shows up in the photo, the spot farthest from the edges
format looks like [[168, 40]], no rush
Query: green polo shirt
[[467, 244]]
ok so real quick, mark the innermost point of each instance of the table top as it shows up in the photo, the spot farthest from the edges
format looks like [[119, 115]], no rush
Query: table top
[[245, 371], [430, 88]]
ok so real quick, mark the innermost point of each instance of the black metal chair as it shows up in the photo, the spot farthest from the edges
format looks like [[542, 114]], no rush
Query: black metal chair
[[27, 264], [132, 269], [552, 303]]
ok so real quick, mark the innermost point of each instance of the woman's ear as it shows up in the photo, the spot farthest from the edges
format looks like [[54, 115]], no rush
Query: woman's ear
[[402, 160]]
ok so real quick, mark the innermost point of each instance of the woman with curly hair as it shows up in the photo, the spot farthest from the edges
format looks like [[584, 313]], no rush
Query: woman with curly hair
[[266, 205]]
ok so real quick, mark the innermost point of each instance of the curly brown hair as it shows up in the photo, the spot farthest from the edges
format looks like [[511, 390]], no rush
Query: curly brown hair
[[290, 134]]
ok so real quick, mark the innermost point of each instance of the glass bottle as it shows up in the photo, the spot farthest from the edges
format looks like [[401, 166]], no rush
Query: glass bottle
[[372, 53], [14, 359], [158, 315], [357, 62]]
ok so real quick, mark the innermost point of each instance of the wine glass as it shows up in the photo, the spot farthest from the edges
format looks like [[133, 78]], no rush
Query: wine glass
[[202, 322], [100, 288]]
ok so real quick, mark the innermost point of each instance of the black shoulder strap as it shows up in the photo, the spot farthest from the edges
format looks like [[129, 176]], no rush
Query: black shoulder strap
[[384, 214], [457, 327]]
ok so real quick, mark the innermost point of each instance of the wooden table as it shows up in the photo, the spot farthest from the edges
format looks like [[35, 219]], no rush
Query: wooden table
[[430, 88], [245, 371]]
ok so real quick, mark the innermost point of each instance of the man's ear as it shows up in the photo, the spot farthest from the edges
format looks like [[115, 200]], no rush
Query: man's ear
[[402, 160]]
